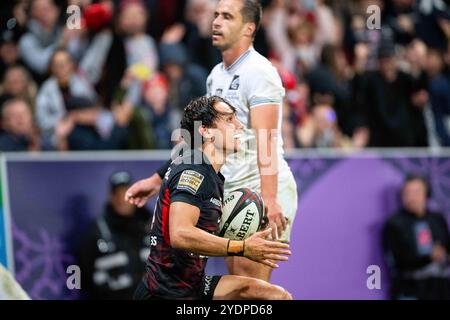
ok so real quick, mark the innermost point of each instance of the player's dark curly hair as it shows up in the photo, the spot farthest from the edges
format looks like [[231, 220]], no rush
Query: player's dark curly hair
[[200, 112]]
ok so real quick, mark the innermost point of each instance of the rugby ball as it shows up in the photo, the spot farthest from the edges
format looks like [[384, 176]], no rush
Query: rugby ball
[[242, 214]]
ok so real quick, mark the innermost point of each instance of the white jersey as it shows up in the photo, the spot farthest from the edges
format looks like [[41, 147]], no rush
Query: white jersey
[[251, 81]]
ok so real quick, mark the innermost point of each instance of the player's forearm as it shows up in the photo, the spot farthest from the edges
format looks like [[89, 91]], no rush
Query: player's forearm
[[269, 187], [268, 165], [195, 240]]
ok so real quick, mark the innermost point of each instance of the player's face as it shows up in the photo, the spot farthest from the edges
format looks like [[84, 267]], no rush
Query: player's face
[[228, 129], [228, 25]]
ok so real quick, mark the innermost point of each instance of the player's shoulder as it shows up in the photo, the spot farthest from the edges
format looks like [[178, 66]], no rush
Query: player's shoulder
[[257, 65], [217, 68], [258, 61], [194, 178], [191, 166]]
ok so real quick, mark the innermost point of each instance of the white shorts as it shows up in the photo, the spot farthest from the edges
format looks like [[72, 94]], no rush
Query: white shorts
[[287, 198]]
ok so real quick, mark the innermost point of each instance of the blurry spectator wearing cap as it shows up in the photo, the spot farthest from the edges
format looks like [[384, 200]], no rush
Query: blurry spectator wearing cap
[[113, 251], [54, 93], [158, 111], [186, 80], [387, 105], [416, 245], [18, 131], [17, 83]]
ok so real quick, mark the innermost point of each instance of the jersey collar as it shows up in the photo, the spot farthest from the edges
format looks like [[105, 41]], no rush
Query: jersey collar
[[238, 60]]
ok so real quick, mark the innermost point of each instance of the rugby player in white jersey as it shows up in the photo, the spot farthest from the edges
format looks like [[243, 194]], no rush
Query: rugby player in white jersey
[[252, 85]]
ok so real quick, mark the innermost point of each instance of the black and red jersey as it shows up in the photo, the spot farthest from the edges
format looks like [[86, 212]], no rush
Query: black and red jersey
[[174, 273]]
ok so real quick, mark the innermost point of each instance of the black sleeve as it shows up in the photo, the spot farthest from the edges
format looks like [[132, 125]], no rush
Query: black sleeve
[[163, 169], [189, 186]]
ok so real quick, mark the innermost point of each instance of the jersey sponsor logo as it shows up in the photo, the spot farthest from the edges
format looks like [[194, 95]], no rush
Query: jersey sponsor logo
[[190, 180], [234, 83]]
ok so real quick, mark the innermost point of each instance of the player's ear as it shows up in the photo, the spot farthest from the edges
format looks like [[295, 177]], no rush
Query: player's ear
[[204, 132], [250, 29]]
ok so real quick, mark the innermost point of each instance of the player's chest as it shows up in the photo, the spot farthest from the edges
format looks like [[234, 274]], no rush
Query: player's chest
[[228, 86]]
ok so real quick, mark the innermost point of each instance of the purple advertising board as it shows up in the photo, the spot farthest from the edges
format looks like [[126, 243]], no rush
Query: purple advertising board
[[343, 202]]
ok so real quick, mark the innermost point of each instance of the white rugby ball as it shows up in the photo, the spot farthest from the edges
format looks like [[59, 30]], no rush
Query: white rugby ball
[[242, 214]]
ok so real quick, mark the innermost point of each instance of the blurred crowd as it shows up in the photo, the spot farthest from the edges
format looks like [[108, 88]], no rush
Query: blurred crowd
[[119, 77]]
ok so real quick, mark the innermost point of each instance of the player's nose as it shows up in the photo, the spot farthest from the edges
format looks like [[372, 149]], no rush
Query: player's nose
[[238, 125]]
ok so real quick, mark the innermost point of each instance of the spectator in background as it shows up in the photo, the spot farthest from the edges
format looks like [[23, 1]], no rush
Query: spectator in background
[[417, 246], [113, 252], [18, 132], [329, 82], [357, 33], [390, 113], [9, 51], [439, 88], [199, 15], [78, 129], [51, 103], [320, 130], [44, 36], [292, 33], [186, 80], [18, 84], [140, 48], [159, 113], [140, 135]]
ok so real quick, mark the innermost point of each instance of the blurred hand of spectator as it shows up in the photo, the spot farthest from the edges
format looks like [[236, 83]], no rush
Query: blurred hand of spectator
[[445, 26], [360, 138], [122, 113], [419, 99], [70, 35], [62, 130], [438, 254], [173, 34]]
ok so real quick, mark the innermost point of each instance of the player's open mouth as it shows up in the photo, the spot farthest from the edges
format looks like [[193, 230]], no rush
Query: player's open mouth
[[216, 34]]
